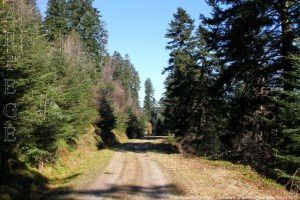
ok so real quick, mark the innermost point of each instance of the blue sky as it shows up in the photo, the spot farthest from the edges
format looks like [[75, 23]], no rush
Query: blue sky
[[137, 28]]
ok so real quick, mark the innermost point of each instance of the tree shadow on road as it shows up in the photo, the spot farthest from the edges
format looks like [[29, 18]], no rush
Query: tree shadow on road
[[118, 192], [153, 137], [122, 191], [143, 147], [65, 179]]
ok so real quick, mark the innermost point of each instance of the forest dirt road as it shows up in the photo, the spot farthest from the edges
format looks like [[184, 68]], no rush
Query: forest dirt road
[[151, 169], [131, 174]]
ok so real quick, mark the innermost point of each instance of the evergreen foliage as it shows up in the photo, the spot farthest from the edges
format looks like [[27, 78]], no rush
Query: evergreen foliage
[[126, 74], [287, 142], [181, 70], [60, 89], [56, 21], [119, 89], [232, 89], [86, 21], [149, 101], [136, 126]]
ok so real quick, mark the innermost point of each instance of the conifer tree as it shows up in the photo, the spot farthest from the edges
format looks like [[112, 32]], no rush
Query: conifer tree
[[232, 31], [135, 128], [252, 41], [7, 94], [34, 85], [56, 88], [223, 85], [149, 101], [127, 75], [287, 142], [120, 86], [181, 73], [56, 21], [86, 20]]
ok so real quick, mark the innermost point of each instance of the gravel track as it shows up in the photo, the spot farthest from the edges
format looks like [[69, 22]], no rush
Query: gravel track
[[131, 174], [148, 169]]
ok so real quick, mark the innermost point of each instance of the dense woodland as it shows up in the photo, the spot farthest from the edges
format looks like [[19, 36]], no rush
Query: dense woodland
[[233, 84], [65, 82], [232, 90]]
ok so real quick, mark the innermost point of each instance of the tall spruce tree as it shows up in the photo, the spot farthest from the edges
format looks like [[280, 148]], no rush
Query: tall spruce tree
[[28, 66], [56, 21], [149, 101], [252, 40], [224, 84], [181, 68], [160, 128], [287, 143], [125, 72], [86, 20], [235, 34]]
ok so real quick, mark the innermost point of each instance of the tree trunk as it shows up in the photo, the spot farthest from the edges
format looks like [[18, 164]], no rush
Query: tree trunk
[[287, 43]]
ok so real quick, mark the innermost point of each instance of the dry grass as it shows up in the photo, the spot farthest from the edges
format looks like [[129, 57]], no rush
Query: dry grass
[[121, 137], [204, 179], [75, 167], [78, 167]]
